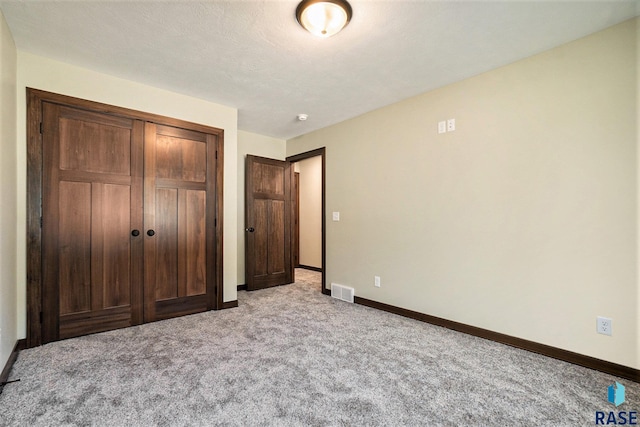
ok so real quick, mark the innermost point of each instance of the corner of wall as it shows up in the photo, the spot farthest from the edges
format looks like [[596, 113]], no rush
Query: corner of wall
[[8, 193]]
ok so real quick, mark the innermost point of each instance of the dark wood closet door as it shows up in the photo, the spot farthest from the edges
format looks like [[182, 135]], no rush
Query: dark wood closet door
[[268, 223], [180, 173], [92, 200]]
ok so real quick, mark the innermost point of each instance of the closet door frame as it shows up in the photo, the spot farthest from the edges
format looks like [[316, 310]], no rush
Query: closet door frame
[[35, 100]]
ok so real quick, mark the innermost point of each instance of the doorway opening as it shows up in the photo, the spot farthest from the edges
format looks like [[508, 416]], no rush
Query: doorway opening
[[309, 249]]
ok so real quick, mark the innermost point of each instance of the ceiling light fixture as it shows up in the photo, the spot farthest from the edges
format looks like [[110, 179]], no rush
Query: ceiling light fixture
[[323, 18]]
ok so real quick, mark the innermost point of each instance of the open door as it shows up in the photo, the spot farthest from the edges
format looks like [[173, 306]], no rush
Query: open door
[[268, 232]]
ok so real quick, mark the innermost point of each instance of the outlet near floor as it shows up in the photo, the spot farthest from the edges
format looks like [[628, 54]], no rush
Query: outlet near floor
[[604, 325]]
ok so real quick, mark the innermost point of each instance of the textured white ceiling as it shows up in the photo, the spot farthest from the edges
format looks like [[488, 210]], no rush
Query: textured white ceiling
[[253, 55]]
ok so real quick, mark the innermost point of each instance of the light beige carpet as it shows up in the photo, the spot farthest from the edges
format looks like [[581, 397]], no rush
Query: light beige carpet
[[290, 356]]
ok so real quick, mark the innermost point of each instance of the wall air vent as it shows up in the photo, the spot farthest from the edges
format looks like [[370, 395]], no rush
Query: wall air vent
[[341, 292]]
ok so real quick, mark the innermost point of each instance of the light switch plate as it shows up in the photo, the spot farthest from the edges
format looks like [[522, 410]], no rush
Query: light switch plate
[[442, 127], [336, 216]]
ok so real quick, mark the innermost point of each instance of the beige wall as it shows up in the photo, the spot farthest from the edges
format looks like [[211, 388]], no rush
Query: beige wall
[[45, 74], [310, 211], [522, 221], [256, 145], [8, 195]]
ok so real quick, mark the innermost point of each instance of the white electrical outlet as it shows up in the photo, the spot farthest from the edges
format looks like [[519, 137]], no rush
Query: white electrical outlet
[[376, 281], [451, 125], [603, 325]]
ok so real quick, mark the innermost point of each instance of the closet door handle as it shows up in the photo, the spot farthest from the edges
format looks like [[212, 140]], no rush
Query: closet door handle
[[250, 229], [150, 233], [135, 233]]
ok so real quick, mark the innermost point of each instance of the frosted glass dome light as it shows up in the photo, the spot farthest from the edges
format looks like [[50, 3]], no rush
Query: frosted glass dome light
[[323, 18]]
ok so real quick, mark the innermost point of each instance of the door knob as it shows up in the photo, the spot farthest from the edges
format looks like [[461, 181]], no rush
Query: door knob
[[250, 229], [135, 233], [150, 233]]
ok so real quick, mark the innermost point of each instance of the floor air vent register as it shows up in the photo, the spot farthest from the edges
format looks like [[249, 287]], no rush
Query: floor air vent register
[[343, 293]]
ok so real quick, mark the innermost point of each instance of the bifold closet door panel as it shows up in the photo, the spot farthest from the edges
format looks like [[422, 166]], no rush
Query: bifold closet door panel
[[92, 197]]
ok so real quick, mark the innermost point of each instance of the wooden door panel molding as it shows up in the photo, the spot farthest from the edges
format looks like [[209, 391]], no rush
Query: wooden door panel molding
[[186, 185], [174, 131], [167, 309], [150, 247], [83, 323], [165, 241], [268, 179], [73, 258], [34, 214], [82, 176], [214, 240], [260, 237], [97, 213], [50, 304], [194, 273], [85, 182], [277, 228], [268, 223], [94, 147], [181, 159], [116, 246], [88, 117], [137, 242]]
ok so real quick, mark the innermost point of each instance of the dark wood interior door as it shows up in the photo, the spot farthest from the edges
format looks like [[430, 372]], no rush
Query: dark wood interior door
[[268, 234], [179, 206], [92, 195]]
